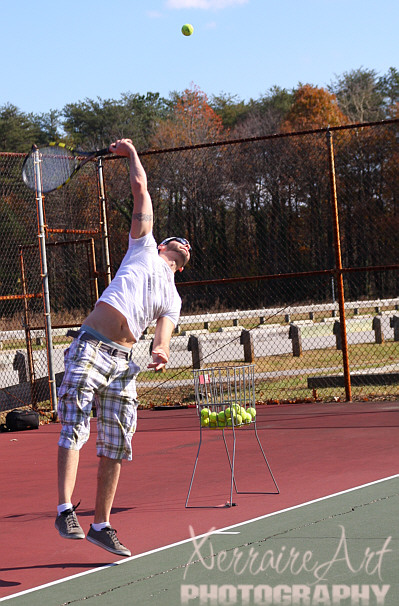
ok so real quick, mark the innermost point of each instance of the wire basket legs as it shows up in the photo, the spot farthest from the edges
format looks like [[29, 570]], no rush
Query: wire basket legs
[[225, 400]]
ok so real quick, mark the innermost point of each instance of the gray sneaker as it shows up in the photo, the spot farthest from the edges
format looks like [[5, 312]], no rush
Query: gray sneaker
[[107, 539], [68, 526]]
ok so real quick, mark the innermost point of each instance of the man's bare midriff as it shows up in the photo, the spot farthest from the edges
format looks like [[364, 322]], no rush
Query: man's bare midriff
[[109, 322]]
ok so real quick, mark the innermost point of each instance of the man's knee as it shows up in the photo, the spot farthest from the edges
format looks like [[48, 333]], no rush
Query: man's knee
[[73, 437]]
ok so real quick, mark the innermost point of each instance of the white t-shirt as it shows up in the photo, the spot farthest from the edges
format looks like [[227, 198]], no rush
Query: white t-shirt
[[143, 288]]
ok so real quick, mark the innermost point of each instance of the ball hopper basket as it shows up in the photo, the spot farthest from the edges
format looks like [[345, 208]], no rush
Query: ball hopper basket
[[225, 402]]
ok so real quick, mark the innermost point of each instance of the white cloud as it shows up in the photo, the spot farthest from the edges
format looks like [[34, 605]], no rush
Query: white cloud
[[204, 4]]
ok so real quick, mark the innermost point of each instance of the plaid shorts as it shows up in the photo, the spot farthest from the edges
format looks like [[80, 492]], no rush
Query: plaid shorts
[[94, 375]]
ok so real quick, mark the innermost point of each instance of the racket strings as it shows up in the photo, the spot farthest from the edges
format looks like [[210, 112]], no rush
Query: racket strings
[[56, 166]]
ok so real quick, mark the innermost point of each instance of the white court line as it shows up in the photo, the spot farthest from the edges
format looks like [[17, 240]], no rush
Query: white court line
[[220, 531]]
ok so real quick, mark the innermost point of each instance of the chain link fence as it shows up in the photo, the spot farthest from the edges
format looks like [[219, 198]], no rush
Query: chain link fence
[[295, 264]]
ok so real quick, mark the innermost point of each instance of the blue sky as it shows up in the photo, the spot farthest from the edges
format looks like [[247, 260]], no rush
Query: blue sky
[[55, 52]]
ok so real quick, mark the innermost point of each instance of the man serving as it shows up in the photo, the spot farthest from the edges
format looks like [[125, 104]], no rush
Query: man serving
[[99, 367]]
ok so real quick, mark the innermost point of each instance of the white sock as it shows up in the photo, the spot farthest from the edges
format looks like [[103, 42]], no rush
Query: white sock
[[63, 507], [100, 526]]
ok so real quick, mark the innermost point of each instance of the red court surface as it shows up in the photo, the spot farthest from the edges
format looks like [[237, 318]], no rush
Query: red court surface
[[314, 450]]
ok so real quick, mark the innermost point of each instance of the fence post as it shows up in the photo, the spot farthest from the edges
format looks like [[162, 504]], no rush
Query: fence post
[[247, 341], [28, 335], [103, 221], [338, 268], [377, 327], [295, 334], [394, 323], [195, 347], [19, 364], [45, 282], [338, 334]]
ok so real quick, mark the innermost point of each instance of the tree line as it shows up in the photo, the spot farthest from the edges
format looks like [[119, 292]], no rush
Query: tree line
[[249, 209], [361, 95]]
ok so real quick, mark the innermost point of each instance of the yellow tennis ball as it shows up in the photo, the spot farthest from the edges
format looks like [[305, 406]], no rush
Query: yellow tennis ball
[[222, 417], [213, 417], [205, 422], [187, 29]]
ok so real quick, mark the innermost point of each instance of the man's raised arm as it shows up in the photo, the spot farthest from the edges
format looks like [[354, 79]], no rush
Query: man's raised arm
[[142, 217]]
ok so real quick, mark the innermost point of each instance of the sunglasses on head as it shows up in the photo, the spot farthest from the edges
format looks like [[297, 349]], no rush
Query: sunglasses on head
[[181, 240]]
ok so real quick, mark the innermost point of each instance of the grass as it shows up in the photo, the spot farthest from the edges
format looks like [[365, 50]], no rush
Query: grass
[[286, 388], [11, 345], [169, 374], [318, 319], [165, 388]]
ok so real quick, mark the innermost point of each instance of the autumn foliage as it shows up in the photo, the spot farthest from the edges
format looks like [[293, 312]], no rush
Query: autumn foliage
[[313, 108], [193, 121]]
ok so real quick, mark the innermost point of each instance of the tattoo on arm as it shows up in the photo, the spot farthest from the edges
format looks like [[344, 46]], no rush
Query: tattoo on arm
[[141, 217]]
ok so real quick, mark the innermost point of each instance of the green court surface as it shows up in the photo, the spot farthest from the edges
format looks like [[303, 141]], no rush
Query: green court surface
[[336, 551]]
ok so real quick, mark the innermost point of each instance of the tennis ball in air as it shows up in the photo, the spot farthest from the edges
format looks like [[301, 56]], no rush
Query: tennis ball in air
[[187, 29]]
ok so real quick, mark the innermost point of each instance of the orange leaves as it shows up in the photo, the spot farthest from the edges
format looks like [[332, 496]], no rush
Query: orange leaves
[[313, 108], [193, 121]]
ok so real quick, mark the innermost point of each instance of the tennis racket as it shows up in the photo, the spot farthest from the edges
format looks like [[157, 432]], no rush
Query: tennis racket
[[58, 164]]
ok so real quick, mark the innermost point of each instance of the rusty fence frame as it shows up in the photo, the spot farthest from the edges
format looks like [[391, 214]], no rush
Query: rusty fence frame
[[337, 272]]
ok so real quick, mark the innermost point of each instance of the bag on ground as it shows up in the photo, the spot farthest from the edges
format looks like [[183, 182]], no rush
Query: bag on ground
[[17, 420]]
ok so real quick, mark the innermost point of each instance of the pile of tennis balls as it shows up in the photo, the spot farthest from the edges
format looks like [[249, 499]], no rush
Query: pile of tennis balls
[[231, 415]]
